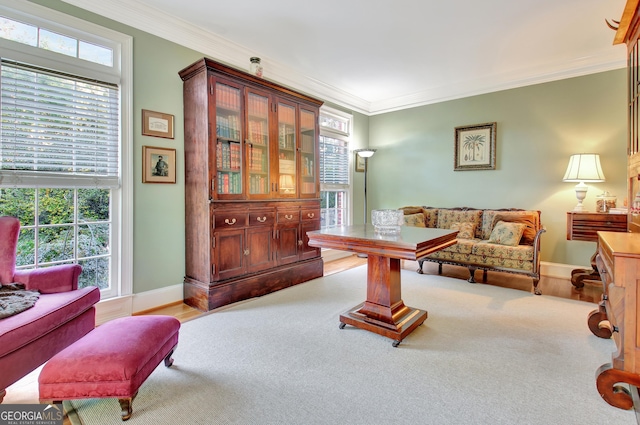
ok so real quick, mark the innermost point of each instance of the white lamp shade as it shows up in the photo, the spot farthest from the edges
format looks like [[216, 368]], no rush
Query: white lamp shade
[[365, 153], [584, 167]]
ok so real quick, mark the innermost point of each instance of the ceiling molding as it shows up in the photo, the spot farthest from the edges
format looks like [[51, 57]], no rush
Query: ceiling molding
[[168, 27]]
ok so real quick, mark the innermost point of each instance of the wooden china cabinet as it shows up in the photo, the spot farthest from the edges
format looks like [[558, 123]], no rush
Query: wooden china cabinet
[[251, 185]]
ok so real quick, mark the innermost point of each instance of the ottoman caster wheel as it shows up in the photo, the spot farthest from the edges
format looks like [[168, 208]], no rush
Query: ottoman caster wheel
[[396, 343], [342, 325]]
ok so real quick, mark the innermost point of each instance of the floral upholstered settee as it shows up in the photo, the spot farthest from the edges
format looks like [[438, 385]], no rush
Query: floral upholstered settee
[[503, 240]]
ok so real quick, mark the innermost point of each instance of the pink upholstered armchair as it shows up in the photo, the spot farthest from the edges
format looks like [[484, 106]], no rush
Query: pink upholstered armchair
[[62, 315]]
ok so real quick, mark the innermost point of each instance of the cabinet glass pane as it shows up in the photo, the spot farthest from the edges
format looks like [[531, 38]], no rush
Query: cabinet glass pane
[[307, 151], [258, 143], [286, 149], [228, 141]]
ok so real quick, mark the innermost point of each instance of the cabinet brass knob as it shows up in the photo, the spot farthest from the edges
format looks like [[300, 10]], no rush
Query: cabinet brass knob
[[230, 222], [261, 219], [246, 252], [288, 217], [310, 215], [299, 242]]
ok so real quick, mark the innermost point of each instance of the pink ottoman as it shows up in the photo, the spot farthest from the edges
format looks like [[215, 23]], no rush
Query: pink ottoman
[[113, 360]]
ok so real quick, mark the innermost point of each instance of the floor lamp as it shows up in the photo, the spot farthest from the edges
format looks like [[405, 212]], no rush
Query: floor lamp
[[366, 154]]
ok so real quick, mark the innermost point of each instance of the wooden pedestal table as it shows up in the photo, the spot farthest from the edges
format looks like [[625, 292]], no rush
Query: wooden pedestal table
[[384, 312]]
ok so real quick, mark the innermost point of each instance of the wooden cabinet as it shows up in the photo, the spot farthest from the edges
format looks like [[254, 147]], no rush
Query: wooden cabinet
[[251, 185], [584, 226], [619, 316]]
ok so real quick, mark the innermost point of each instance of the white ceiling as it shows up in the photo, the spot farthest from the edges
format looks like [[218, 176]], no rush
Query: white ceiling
[[375, 56]]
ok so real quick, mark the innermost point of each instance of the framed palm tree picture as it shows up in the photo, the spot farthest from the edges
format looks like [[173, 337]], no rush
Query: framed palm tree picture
[[475, 147]]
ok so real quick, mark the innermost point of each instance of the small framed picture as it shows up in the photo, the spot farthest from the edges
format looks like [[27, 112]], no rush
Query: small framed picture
[[158, 165], [475, 147], [157, 124], [360, 163]]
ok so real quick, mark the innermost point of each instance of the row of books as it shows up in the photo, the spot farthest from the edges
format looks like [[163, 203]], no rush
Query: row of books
[[258, 106], [227, 97], [228, 127], [286, 137], [258, 184], [286, 115], [228, 156], [258, 160], [258, 132], [229, 183], [307, 167]]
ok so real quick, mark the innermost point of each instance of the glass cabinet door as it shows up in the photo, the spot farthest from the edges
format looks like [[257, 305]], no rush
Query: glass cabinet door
[[257, 143], [307, 152], [286, 149], [228, 140]]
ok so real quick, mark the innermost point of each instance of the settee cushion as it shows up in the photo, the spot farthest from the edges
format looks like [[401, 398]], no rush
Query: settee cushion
[[486, 249], [463, 246], [466, 230], [506, 233], [446, 217], [430, 216], [49, 312], [415, 220]]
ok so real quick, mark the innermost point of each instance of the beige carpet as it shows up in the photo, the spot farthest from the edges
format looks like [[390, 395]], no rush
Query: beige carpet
[[485, 355]]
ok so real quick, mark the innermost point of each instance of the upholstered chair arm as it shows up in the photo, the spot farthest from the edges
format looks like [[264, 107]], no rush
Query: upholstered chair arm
[[52, 279]]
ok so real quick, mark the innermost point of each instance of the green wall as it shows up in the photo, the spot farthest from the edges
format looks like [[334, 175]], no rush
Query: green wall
[[539, 127]]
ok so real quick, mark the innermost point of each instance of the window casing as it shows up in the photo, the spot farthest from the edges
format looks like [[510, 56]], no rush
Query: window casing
[[65, 143], [335, 187]]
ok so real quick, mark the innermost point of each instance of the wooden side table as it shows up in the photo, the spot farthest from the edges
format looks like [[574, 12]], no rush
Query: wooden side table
[[584, 226]]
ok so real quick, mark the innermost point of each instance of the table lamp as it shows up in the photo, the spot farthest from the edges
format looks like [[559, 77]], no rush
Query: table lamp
[[583, 167]]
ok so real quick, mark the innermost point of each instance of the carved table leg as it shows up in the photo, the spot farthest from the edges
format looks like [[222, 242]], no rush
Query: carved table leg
[[598, 322], [607, 382], [579, 276]]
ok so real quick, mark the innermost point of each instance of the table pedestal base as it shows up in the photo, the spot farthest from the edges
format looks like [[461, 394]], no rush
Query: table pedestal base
[[404, 321]]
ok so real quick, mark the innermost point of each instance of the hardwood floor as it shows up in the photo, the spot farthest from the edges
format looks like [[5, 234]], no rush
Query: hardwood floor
[[25, 391], [557, 287]]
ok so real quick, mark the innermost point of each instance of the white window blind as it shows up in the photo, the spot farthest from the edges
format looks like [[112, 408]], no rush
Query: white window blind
[[334, 161], [57, 124]]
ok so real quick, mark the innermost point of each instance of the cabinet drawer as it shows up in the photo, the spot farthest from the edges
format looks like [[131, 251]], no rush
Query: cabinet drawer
[[261, 218], [288, 216], [310, 214], [230, 220]]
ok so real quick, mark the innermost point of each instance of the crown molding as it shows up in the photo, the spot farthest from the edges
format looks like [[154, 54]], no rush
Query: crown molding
[[178, 31]]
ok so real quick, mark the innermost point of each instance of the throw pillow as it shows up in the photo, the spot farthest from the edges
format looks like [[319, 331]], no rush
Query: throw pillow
[[415, 220], [466, 230], [506, 233], [411, 210], [528, 219]]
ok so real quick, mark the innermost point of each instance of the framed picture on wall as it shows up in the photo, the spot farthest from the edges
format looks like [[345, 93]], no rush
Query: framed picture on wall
[[475, 147], [158, 165], [360, 163], [157, 124]]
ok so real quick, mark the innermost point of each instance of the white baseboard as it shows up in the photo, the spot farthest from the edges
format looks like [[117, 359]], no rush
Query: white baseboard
[[557, 270], [114, 308]]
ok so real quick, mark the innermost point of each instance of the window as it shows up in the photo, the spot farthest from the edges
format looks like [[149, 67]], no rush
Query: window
[[335, 131], [62, 138]]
